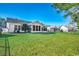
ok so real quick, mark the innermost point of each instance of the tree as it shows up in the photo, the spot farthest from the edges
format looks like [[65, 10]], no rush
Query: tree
[[44, 28], [0, 30], [70, 9], [25, 28]]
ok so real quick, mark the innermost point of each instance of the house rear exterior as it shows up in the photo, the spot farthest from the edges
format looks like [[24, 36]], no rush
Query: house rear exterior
[[11, 24]]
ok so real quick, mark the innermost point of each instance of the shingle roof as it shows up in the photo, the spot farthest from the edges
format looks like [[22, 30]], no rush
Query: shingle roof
[[38, 22], [15, 20]]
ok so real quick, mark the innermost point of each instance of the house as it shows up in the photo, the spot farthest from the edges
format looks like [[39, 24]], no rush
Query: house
[[37, 27], [13, 25], [52, 28], [69, 28], [63, 29]]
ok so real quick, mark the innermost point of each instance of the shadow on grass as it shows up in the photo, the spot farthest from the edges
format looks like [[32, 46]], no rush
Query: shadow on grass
[[44, 33], [6, 45], [34, 33], [6, 35]]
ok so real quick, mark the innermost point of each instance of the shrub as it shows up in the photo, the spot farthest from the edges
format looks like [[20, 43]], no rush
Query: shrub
[[0, 31]]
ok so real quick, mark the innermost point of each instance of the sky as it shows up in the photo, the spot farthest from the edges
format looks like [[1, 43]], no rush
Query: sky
[[42, 12]]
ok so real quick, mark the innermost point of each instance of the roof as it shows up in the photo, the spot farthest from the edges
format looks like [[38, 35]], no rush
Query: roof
[[37, 22], [15, 20]]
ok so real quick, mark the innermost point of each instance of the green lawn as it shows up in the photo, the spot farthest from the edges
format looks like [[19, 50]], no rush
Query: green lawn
[[54, 44]]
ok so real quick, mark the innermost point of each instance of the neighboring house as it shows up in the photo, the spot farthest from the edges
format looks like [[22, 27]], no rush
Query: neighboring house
[[63, 29], [51, 28], [69, 28], [13, 24]]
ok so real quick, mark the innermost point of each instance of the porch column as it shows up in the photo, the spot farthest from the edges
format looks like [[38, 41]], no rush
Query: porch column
[[35, 27], [32, 28], [40, 28]]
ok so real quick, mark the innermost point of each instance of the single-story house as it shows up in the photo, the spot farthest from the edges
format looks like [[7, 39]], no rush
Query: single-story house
[[12, 23], [63, 29], [69, 28], [52, 28]]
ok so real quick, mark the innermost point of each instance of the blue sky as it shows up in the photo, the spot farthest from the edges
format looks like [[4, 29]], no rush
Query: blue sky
[[42, 12]]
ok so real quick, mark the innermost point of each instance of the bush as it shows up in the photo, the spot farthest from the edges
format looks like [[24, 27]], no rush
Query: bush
[[0, 31]]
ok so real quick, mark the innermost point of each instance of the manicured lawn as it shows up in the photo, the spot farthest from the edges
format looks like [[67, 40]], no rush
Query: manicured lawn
[[54, 44]]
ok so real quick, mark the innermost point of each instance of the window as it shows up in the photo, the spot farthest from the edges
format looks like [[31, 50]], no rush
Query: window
[[19, 27], [37, 28], [15, 28], [33, 27]]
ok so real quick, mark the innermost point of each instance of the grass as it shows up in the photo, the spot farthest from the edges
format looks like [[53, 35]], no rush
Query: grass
[[40, 44]]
